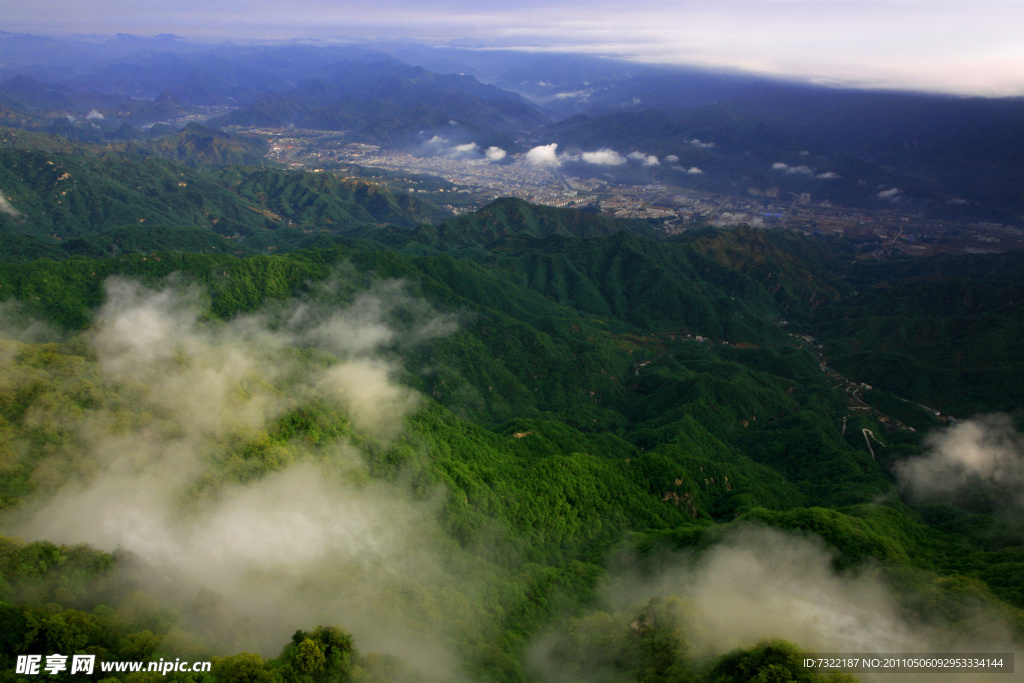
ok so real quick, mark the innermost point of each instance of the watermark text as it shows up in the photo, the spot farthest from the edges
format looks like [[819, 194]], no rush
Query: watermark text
[[40, 665]]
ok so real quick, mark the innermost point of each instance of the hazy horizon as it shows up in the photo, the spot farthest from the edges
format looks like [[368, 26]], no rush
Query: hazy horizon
[[950, 47]]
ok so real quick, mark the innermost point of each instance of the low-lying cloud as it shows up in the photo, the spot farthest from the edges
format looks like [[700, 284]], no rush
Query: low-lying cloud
[[743, 591], [467, 148], [609, 157], [278, 533], [803, 169], [759, 583], [604, 157], [19, 325], [5, 207], [727, 218], [574, 94], [985, 454], [645, 159], [544, 156], [467, 151], [792, 170], [547, 155]]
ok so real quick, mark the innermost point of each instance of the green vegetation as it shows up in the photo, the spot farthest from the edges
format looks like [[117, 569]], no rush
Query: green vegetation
[[197, 145], [61, 194], [940, 331], [550, 417]]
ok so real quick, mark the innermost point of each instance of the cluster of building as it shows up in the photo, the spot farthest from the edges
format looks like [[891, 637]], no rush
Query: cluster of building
[[473, 182]]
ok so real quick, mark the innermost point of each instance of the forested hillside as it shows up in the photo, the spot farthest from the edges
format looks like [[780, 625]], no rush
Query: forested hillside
[[942, 331], [517, 445], [55, 193]]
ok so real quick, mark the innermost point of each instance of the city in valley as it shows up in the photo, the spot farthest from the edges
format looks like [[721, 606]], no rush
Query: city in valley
[[462, 185]]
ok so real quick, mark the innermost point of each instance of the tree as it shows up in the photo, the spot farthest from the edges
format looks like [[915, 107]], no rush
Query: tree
[[321, 655], [245, 667]]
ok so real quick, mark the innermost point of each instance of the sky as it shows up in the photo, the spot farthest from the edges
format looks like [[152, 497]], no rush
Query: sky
[[970, 47]]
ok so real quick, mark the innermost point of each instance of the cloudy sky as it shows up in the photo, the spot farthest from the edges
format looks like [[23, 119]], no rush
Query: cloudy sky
[[969, 46]]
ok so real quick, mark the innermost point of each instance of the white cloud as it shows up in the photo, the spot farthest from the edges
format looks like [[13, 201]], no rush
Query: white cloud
[[760, 583], [307, 538], [582, 94], [984, 452], [469, 152], [95, 115], [891, 194], [672, 159], [741, 593], [828, 175], [952, 47], [693, 170], [5, 207], [727, 218], [646, 159], [792, 170], [544, 155], [604, 157], [702, 145]]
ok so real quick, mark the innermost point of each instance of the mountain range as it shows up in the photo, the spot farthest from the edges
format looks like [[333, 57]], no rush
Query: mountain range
[[307, 427], [948, 157]]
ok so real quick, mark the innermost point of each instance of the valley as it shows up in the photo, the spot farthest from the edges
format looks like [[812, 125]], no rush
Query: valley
[[462, 185]]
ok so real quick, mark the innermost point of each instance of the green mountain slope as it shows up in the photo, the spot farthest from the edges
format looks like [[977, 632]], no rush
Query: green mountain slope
[[60, 195], [942, 331], [799, 273], [380, 99], [197, 145], [555, 435], [574, 423], [508, 216]]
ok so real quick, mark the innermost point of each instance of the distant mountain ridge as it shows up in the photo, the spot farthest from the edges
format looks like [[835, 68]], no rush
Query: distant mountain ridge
[[83, 115], [31, 95], [738, 151], [388, 101], [945, 157]]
